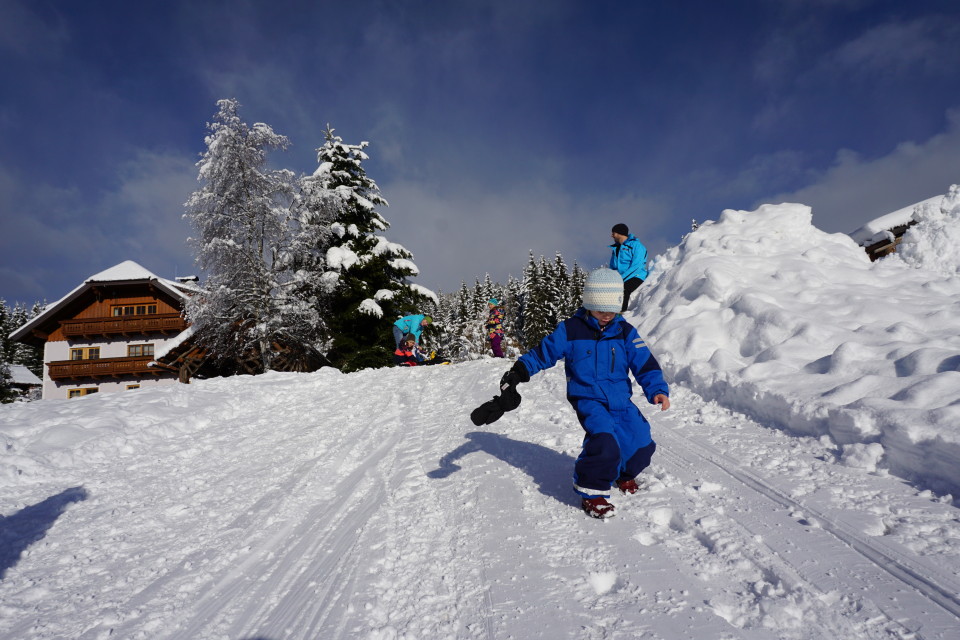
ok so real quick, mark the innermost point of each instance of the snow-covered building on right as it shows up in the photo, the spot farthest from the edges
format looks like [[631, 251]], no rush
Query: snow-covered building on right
[[880, 236]]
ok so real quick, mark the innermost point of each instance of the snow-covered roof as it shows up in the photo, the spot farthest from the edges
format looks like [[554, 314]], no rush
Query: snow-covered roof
[[873, 229], [127, 272], [19, 374]]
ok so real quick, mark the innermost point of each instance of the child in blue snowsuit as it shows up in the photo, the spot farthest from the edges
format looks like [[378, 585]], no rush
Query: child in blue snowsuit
[[600, 349]]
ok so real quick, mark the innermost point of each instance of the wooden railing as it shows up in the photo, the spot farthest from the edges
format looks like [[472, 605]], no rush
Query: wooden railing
[[102, 368], [124, 325]]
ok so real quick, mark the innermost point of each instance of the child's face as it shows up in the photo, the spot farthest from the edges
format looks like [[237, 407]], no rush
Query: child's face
[[603, 317], [410, 344]]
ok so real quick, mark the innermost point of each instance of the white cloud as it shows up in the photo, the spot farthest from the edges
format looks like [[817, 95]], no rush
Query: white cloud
[[854, 191], [897, 47], [463, 232], [149, 204]]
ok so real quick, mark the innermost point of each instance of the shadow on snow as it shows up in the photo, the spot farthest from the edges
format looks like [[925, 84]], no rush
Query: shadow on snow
[[30, 524], [549, 470]]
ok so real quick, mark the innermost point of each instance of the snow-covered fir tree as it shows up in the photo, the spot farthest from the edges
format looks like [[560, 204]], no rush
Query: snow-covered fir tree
[[6, 327], [537, 312], [250, 310], [314, 211], [559, 294], [575, 295], [7, 392], [513, 308], [368, 273], [441, 334]]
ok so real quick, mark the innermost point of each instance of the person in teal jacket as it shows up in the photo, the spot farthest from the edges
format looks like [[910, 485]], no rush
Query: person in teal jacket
[[409, 325], [600, 351], [628, 257]]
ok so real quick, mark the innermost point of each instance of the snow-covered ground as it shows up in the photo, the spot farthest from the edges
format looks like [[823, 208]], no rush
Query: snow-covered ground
[[800, 489]]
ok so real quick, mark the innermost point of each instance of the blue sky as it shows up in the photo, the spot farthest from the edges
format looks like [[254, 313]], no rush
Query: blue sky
[[495, 127]]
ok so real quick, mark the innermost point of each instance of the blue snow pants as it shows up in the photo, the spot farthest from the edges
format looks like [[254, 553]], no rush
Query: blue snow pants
[[618, 445]]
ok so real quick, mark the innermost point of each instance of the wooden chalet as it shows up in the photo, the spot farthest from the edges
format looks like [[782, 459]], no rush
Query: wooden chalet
[[103, 335]]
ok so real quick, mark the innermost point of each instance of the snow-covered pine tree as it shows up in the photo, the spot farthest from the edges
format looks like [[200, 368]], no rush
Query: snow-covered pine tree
[[442, 337], [249, 309], [559, 290], [6, 344], [29, 356], [460, 318], [372, 274], [575, 295], [480, 298], [514, 304], [7, 393], [314, 212], [537, 313]]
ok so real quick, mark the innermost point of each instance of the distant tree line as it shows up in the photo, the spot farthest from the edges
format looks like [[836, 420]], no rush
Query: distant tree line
[[545, 294]]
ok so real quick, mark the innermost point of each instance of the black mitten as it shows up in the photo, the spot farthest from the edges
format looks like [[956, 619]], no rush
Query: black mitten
[[509, 399], [516, 375], [487, 413]]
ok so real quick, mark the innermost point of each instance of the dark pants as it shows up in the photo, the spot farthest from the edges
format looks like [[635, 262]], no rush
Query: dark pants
[[628, 288], [495, 345], [617, 445], [600, 463]]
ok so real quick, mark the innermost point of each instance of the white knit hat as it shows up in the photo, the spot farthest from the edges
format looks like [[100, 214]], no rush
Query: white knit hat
[[603, 291]]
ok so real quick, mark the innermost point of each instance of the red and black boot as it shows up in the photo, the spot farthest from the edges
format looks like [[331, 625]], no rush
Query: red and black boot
[[597, 507]]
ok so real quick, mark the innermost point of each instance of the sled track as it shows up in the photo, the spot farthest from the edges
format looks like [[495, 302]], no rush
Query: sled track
[[944, 593]]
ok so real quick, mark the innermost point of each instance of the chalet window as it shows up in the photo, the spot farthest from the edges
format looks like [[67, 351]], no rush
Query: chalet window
[[134, 310], [139, 350], [85, 353], [79, 393], [133, 386]]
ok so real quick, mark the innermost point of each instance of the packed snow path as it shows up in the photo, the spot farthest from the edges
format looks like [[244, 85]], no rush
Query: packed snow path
[[368, 506]]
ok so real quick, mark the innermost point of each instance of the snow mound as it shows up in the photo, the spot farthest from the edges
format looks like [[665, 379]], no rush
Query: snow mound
[[934, 242], [768, 315]]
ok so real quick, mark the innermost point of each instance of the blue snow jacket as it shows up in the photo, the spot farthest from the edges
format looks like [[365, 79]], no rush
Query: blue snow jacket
[[598, 363], [411, 324], [629, 259]]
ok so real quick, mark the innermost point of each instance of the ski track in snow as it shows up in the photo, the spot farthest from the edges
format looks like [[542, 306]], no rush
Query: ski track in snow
[[368, 506]]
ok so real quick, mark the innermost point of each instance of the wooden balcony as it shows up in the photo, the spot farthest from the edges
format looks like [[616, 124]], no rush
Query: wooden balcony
[[165, 323], [102, 368]]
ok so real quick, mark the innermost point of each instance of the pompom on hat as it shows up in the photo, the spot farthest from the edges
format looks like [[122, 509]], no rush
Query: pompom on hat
[[603, 291]]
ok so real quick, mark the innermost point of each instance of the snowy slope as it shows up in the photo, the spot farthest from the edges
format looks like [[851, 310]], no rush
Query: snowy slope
[[280, 507], [366, 505]]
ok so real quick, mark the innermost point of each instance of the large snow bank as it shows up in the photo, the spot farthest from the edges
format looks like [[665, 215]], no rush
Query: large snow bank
[[934, 243], [770, 316]]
